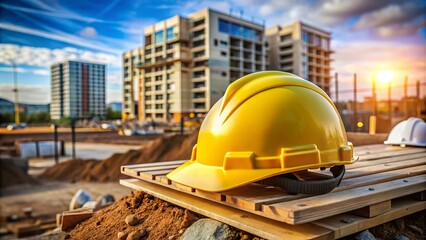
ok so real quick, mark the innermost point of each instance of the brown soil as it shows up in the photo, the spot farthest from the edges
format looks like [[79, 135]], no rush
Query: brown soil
[[167, 148], [412, 226], [160, 219], [11, 175]]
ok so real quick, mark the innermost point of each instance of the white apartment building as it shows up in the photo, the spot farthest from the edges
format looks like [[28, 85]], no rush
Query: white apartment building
[[77, 90], [187, 63], [301, 49]]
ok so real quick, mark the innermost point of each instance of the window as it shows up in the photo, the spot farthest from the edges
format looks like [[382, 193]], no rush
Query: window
[[223, 74], [223, 26], [169, 33], [223, 43], [285, 38], [215, 42], [305, 36], [159, 36], [223, 54], [317, 41], [239, 31]]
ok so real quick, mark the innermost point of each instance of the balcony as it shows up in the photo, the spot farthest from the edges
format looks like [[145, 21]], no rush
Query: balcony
[[198, 27], [198, 37], [198, 79]]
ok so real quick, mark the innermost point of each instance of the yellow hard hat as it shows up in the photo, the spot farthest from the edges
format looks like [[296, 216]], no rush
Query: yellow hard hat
[[267, 124]]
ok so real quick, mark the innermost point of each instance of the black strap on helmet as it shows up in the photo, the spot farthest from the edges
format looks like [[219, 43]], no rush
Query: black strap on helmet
[[292, 184]]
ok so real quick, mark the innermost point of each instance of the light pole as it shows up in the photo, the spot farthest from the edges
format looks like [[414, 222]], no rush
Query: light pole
[[373, 118], [15, 90]]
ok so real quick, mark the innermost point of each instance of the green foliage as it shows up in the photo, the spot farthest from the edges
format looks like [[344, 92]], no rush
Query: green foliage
[[111, 114], [33, 118], [64, 121]]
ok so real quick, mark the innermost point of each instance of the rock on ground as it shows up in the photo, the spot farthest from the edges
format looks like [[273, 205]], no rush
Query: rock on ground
[[365, 235], [401, 237], [208, 229]]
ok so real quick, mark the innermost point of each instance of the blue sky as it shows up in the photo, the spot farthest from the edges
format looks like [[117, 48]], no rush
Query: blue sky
[[368, 36]]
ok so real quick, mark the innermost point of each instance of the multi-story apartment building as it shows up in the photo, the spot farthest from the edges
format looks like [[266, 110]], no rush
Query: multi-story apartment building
[[187, 63], [301, 49], [78, 90]]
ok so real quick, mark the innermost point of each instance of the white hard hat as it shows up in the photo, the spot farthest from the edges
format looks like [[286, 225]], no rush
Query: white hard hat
[[410, 132]]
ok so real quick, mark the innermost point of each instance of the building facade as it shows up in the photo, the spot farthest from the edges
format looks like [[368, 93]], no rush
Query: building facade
[[301, 49], [77, 90], [187, 63]]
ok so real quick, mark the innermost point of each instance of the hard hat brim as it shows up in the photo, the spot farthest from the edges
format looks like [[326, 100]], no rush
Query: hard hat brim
[[216, 179]]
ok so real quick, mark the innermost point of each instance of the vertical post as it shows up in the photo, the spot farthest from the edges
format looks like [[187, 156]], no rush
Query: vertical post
[[181, 124], [355, 106], [62, 148], [336, 90], [390, 105], [373, 118], [418, 98], [73, 138], [55, 142], [374, 97], [37, 148], [15, 90], [405, 97]]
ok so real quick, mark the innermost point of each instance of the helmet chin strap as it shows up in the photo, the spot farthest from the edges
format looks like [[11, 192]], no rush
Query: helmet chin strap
[[291, 183]]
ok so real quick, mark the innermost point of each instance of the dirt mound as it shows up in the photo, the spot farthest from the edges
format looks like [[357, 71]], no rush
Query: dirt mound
[[11, 175], [167, 148], [159, 218]]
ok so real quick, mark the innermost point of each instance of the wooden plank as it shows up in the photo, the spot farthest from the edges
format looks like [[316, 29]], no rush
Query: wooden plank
[[380, 177], [375, 148], [353, 183], [386, 154], [322, 206], [257, 225], [373, 210], [400, 208], [238, 198], [157, 168], [252, 196], [383, 168], [153, 174], [361, 164], [71, 218], [128, 168]]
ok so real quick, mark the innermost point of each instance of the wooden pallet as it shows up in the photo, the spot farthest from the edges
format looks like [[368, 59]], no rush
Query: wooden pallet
[[369, 188]]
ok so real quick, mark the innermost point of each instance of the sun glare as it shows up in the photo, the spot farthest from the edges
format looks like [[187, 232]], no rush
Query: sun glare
[[384, 77]]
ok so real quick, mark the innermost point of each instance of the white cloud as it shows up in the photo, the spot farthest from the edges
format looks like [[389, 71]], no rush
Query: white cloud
[[51, 12], [389, 15], [11, 69], [58, 36], [44, 57], [44, 72], [37, 71], [35, 94], [89, 32]]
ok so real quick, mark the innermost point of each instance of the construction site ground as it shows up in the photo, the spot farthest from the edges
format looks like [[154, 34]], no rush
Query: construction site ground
[[50, 192]]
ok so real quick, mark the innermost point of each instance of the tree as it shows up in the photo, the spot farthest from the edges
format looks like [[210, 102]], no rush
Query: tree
[[111, 114]]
